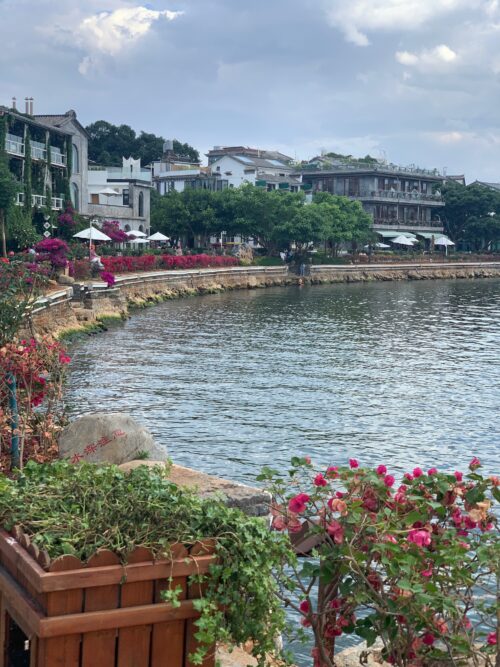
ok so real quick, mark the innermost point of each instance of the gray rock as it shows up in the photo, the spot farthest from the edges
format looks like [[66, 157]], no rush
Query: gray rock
[[65, 280], [107, 437]]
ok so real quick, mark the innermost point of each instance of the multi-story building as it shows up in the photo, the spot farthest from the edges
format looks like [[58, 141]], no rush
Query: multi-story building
[[37, 157], [177, 173], [268, 169], [122, 194], [399, 199]]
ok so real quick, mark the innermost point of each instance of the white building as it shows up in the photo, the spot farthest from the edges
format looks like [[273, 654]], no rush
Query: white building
[[122, 194], [239, 169]]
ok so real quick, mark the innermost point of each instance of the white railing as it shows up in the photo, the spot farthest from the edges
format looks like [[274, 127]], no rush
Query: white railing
[[38, 151], [38, 200], [14, 144], [56, 157], [57, 203]]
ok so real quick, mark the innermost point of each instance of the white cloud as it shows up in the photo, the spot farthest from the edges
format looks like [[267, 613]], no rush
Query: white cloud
[[111, 32], [359, 17], [439, 56]]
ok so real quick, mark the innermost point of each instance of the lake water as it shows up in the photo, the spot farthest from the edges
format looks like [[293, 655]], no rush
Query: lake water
[[401, 373]]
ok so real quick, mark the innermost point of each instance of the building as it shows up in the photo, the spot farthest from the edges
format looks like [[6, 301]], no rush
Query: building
[[77, 153], [399, 199], [37, 156], [268, 169], [122, 194], [177, 173]]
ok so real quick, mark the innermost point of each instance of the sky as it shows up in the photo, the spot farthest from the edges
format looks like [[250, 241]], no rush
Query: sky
[[412, 81]]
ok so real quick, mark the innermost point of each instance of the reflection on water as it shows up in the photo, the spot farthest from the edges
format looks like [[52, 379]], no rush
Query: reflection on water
[[399, 373], [403, 373]]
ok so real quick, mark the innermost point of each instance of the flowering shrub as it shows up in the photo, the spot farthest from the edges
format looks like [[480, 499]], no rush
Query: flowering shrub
[[405, 563], [79, 269], [152, 262], [53, 250], [19, 288], [66, 219], [112, 229], [108, 278], [31, 376]]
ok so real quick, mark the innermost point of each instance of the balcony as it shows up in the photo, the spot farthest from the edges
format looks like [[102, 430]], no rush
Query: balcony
[[408, 225], [38, 150], [14, 144], [57, 203], [399, 196], [56, 157]]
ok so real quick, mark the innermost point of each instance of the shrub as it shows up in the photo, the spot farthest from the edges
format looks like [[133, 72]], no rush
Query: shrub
[[151, 262], [403, 565], [54, 250], [79, 269], [112, 229]]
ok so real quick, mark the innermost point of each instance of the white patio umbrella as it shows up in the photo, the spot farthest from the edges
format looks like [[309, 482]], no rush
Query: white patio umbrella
[[402, 240], [108, 192], [137, 234], [443, 240], [158, 236], [92, 234], [138, 241]]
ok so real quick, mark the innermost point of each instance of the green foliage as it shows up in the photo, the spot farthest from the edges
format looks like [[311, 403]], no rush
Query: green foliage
[[468, 214], [402, 565], [109, 143], [18, 292], [21, 233], [78, 509], [27, 171]]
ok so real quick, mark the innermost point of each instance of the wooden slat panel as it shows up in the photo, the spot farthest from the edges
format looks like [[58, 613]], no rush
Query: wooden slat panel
[[167, 643], [134, 643], [62, 651], [19, 605], [195, 591], [3, 633], [98, 648]]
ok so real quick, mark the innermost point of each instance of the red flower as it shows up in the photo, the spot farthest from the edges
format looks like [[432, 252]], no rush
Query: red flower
[[335, 531], [492, 639], [475, 463], [353, 463], [417, 472], [458, 475], [432, 471], [305, 606], [319, 480], [332, 471], [298, 503], [389, 480], [381, 470], [339, 494], [428, 638], [408, 476], [420, 537]]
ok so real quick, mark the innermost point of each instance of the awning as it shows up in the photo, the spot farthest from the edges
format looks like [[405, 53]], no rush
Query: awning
[[392, 234], [429, 235]]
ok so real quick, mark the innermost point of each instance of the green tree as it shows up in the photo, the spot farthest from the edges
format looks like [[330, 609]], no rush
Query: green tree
[[348, 223], [8, 191], [20, 230], [467, 213]]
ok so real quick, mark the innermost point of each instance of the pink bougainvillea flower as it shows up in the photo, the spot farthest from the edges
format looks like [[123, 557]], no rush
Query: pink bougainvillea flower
[[335, 531], [307, 459], [432, 471], [381, 470], [475, 463], [319, 480], [417, 472], [279, 523], [332, 472], [339, 494], [389, 480], [408, 476], [428, 638], [428, 572], [353, 463], [298, 503], [491, 640], [458, 475], [305, 606], [421, 538], [335, 604]]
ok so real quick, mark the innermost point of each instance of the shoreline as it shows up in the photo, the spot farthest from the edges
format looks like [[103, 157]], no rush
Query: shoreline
[[85, 308]]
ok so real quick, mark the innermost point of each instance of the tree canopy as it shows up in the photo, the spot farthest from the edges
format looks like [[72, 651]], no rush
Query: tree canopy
[[109, 143], [276, 219], [472, 214]]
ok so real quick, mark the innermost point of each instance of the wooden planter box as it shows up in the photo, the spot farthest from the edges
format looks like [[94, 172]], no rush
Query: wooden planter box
[[101, 614]]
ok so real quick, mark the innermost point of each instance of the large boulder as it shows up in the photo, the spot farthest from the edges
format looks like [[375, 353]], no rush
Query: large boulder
[[108, 437]]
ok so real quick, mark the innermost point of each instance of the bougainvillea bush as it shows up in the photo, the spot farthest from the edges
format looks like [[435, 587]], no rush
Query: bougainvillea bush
[[414, 564], [112, 229], [156, 262], [53, 250], [31, 373]]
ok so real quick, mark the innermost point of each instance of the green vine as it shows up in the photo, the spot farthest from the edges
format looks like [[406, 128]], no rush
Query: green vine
[[27, 170], [3, 133], [69, 169]]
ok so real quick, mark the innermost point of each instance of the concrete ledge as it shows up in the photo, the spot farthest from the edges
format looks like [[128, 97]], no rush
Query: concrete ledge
[[248, 499]]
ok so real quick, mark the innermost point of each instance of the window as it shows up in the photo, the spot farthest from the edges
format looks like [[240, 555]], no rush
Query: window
[[75, 196], [75, 159], [141, 205], [126, 200], [127, 228], [141, 228]]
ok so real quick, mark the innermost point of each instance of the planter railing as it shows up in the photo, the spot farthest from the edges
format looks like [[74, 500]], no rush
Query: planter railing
[[64, 613]]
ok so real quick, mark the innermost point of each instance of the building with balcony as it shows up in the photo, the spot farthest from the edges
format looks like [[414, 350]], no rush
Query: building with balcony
[[398, 199], [248, 166], [37, 158], [122, 194]]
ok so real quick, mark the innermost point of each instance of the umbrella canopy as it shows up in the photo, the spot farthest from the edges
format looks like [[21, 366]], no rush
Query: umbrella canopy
[[137, 234], [443, 240], [138, 241], [92, 234], [402, 240], [158, 236], [108, 191]]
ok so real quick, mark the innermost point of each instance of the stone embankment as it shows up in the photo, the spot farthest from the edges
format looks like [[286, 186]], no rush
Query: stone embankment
[[84, 307]]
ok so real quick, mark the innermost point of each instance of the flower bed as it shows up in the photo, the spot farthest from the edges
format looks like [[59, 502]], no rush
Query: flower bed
[[157, 262]]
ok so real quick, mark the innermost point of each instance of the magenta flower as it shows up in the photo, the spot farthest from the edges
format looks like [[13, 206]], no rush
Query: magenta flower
[[305, 606], [475, 463], [389, 480], [381, 470], [492, 639], [458, 475], [417, 472], [421, 538], [298, 503], [319, 480], [353, 463], [408, 476], [432, 471], [428, 638]]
